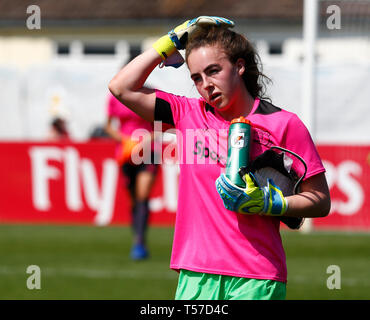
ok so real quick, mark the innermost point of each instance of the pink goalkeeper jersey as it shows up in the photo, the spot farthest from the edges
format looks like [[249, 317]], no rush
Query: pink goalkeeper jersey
[[129, 120], [209, 238]]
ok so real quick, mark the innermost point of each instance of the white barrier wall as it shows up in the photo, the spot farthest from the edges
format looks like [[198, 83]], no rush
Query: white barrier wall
[[26, 98], [11, 120], [343, 95]]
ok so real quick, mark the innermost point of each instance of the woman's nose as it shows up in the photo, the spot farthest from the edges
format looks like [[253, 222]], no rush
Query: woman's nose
[[207, 83]]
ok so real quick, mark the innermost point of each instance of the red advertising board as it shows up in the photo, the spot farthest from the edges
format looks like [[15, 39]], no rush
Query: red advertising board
[[80, 183], [77, 183], [348, 175]]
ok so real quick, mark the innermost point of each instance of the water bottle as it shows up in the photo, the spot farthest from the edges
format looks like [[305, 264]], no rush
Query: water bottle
[[238, 146]]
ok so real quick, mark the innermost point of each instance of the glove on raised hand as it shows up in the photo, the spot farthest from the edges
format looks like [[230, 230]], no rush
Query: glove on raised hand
[[168, 45]]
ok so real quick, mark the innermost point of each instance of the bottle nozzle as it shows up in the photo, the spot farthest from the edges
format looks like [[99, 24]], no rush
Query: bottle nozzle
[[240, 120]]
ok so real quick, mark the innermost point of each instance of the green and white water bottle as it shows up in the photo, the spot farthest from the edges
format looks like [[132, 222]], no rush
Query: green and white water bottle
[[238, 146]]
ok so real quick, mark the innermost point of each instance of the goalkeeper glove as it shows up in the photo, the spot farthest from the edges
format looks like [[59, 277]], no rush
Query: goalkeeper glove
[[268, 200], [168, 45]]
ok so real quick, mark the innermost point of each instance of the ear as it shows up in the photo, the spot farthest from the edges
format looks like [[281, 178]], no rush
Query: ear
[[240, 66]]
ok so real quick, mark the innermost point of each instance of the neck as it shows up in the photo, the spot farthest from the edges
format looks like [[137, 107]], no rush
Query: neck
[[242, 106]]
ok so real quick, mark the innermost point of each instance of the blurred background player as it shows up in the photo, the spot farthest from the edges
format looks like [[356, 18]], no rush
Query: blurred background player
[[138, 178], [58, 129]]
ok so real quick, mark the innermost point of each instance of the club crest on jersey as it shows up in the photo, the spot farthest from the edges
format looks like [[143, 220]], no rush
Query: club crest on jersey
[[238, 140]]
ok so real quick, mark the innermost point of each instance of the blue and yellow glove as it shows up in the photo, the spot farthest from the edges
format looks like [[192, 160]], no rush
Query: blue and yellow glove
[[168, 45], [268, 200]]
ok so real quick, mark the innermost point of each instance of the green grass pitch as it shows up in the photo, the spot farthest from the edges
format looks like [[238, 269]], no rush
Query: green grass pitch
[[84, 262]]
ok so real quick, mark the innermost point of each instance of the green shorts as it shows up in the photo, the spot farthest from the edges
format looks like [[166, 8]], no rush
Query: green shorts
[[206, 286]]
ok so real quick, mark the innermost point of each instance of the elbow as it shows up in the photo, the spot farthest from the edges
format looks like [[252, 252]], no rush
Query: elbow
[[119, 91], [114, 88], [326, 206]]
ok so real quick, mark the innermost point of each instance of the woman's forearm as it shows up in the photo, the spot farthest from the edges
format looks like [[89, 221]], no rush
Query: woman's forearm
[[313, 200], [308, 205], [133, 76], [128, 84]]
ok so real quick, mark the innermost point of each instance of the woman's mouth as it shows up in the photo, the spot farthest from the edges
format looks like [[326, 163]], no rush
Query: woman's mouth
[[214, 97]]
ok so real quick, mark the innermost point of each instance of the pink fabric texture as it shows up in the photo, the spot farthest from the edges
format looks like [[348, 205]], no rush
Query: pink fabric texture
[[129, 120]]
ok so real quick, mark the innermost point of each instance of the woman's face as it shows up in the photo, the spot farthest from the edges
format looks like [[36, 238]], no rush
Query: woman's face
[[217, 80]]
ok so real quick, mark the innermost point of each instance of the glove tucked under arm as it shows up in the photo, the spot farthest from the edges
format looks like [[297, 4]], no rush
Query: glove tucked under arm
[[177, 38], [268, 200]]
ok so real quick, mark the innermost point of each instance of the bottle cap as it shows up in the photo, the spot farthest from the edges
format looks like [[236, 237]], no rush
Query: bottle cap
[[240, 120]]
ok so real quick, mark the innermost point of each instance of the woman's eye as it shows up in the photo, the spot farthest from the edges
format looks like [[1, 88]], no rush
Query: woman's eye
[[196, 79], [213, 71]]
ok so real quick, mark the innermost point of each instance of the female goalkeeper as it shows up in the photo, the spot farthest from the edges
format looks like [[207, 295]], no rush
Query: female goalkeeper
[[220, 249]]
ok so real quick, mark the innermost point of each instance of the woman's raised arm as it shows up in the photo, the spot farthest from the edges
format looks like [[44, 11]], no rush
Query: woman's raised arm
[[128, 84]]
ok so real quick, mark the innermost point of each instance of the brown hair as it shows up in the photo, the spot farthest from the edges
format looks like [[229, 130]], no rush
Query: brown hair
[[235, 46]]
